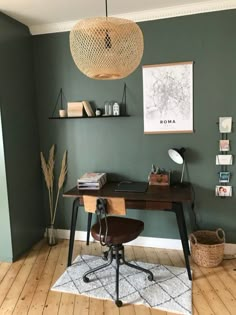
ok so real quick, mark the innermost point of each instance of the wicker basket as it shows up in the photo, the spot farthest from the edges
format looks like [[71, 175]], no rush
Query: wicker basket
[[207, 247]]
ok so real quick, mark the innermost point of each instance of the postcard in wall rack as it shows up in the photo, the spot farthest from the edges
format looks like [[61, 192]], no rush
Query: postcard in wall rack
[[225, 124], [224, 177], [223, 191], [224, 159], [224, 145]]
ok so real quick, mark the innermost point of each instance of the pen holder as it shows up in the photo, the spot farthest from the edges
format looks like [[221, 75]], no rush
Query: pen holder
[[162, 179]]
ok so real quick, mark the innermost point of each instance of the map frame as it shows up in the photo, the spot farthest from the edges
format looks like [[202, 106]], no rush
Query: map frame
[[168, 98]]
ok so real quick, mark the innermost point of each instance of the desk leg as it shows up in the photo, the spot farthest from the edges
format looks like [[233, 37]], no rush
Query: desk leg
[[183, 235], [72, 230], [89, 226], [184, 229]]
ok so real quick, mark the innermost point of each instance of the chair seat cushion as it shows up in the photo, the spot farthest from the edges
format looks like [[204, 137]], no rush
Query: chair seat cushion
[[120, 230]]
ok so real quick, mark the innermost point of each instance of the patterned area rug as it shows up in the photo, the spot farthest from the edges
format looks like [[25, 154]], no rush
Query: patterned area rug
[[171, 289]]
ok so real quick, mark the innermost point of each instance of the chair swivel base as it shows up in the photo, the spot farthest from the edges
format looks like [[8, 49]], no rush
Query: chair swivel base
[[117, 252]]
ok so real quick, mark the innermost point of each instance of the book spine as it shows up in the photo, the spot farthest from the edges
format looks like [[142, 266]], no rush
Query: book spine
[[88, 108], [89, 184], [89, 188]]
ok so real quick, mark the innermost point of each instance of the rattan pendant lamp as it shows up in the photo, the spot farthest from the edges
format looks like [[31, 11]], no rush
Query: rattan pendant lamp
[[106, 48]]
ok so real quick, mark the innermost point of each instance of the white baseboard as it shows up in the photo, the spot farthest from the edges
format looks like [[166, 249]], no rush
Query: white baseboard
[[167, 243]]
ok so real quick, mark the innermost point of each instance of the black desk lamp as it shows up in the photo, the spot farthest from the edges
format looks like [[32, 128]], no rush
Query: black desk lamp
[[177, 155]]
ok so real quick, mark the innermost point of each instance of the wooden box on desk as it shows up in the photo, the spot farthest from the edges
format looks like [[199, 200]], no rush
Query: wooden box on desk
[[159, 179]]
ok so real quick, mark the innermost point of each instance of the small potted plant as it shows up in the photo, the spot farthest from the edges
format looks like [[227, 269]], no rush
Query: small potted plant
[[48, 172]]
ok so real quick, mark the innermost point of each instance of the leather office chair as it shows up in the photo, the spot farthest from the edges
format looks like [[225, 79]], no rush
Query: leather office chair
[[113, 231]]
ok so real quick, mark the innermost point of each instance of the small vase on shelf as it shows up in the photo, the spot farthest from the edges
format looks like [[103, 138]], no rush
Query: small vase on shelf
[[62, 113]]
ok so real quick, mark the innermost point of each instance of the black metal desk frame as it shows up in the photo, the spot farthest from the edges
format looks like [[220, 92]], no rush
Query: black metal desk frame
[[148, 202]]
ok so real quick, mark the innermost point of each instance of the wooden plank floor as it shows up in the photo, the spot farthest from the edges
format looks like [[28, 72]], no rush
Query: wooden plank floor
[[25, 284]]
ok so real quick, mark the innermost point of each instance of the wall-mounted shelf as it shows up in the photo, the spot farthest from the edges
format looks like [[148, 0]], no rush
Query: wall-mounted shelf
[[89, 117], [86, 110]]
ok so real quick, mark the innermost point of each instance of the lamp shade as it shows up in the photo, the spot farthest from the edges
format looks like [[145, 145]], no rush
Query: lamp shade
[[177, 155], [106, 48]]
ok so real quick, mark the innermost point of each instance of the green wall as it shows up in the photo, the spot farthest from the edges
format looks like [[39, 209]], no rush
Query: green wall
[[5, 231], [119, 146], [20, 141]]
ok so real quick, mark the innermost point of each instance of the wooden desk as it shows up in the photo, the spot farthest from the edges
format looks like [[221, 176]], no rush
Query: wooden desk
[[169, 198]]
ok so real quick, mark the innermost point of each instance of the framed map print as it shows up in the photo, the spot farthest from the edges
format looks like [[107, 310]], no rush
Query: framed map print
[[168, 98]]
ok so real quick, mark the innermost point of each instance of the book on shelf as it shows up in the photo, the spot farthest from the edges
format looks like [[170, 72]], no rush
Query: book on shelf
[[91, 181], [88, 108], [75, 109], [89, 187]]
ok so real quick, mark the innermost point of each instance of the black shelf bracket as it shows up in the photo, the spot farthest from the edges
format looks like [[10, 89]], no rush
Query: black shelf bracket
[[59, 100], [123, 101]]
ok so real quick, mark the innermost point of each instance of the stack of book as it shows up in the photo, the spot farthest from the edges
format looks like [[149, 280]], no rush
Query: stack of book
[[76, 109], [93, 181]]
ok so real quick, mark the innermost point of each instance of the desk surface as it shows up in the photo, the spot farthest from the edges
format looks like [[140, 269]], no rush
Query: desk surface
[[154, 193]]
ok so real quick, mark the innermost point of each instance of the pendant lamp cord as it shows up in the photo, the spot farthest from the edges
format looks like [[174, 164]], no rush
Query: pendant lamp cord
[[106, 8]]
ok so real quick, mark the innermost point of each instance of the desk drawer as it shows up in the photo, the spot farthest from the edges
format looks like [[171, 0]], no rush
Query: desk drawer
[[144, 205], [158, 205], [148, 205]]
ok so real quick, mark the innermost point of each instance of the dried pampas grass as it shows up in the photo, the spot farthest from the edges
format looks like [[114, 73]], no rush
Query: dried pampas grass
[[48, 172]]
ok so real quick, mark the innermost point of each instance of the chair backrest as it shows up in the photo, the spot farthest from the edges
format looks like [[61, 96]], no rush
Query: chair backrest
[[115, 206]]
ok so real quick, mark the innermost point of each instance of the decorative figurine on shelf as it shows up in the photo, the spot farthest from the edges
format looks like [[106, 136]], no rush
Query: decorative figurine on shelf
[[108, 109], [116, 109]]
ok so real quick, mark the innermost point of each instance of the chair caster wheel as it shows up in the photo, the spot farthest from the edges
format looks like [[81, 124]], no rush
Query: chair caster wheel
[[118, 303], [150, 277], [86, 279]]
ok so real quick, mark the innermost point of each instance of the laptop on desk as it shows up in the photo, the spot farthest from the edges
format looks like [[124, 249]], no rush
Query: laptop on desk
[[138, 187]]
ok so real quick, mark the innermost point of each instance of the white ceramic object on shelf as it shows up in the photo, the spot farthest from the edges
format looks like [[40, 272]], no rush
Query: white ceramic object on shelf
[[62, 112]]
